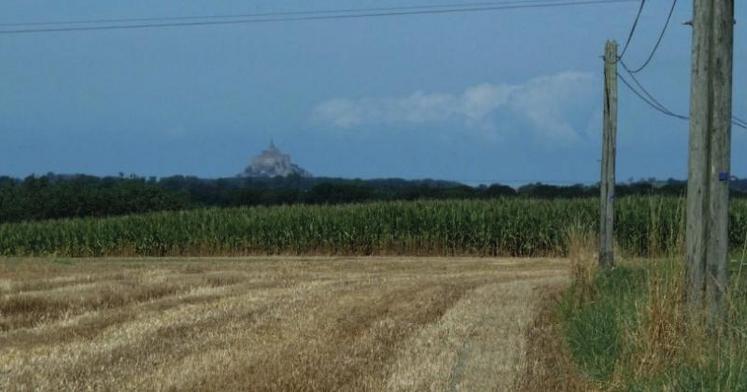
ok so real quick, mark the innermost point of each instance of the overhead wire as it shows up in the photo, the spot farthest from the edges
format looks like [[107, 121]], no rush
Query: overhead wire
[[740, 123], [639, 90], [278, 13], [650, 100], [632, 30], [274, 17], [656, 106], [650, 96], [740, 120], [658, 41]]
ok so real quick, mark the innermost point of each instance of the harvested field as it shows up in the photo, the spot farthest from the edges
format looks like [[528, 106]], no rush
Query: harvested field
[[267, 324]]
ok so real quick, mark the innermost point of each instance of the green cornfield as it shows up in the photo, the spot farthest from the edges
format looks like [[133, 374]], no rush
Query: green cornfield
[[500, 227]]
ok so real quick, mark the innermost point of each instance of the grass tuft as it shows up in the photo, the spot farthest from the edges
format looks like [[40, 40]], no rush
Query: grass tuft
[[629, 329]]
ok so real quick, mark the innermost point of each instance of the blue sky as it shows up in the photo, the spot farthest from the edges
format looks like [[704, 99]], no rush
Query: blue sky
[[507, 96]]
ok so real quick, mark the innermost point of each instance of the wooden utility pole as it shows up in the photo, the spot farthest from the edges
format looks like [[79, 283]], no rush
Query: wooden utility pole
[[709, 155], [609, 137]]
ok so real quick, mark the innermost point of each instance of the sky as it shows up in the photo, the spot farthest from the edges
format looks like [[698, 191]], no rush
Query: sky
[[509, 96]]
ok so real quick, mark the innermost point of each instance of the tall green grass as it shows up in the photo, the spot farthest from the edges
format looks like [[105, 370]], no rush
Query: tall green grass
[[500, 227], [628, 329]]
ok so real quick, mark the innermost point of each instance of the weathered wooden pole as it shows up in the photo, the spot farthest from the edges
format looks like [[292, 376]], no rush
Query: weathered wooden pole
[[709, 156], [609, 137]]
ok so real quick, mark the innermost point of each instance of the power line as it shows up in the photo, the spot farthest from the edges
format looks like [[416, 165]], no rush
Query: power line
[[658, 106], [653, 99], [632, 29], [363, 13], [738, 122], [658, 41], [653, 103], [739, 119], [644, 94], [280, 13]]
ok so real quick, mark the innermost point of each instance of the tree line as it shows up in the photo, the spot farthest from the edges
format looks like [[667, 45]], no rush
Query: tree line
[[55, 196]]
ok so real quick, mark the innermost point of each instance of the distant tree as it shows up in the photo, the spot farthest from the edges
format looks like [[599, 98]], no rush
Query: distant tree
[[329, 193], [497, 190]]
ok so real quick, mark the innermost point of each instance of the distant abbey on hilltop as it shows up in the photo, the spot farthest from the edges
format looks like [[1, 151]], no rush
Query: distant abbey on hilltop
[[272, 163]]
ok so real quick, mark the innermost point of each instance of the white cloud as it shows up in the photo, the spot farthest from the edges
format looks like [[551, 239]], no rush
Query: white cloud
[[548, 104]]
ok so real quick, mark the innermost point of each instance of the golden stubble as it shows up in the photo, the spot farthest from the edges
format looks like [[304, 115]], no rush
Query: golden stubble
[[267, 324]]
